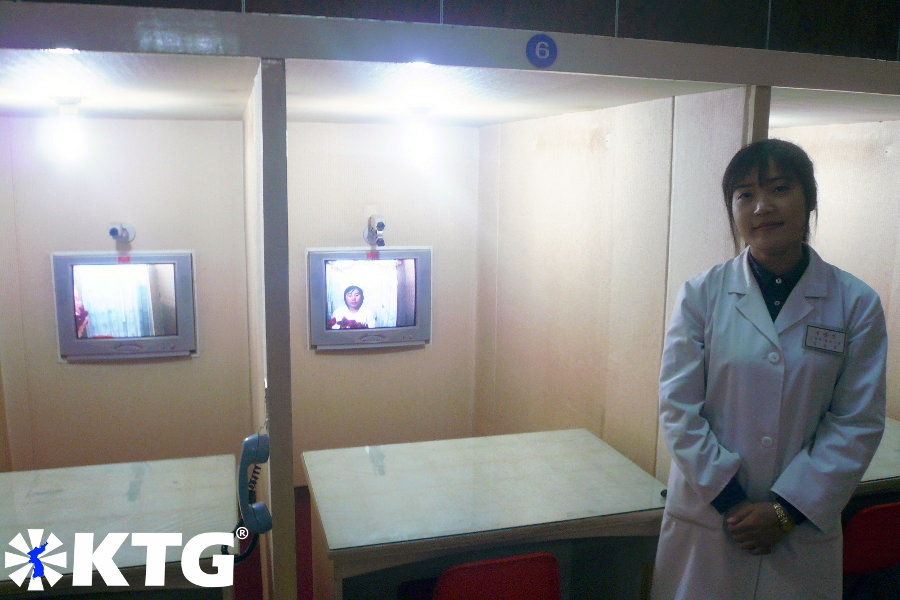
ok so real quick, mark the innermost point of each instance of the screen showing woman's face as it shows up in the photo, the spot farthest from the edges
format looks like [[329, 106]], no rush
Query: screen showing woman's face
[[353, 299]]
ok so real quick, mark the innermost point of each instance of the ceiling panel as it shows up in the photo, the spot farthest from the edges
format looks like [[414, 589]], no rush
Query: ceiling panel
[[35, 83]]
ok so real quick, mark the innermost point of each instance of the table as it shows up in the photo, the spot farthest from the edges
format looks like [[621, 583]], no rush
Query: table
[[383, 506], [190, 496]]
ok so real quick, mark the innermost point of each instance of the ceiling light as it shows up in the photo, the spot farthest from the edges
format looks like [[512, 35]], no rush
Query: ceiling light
[[65, 135]]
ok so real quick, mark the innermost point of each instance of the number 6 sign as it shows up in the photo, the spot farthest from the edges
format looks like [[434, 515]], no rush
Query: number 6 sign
[[541, 51]]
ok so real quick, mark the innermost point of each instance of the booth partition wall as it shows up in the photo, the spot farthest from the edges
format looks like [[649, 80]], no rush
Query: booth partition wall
[[565, 184]]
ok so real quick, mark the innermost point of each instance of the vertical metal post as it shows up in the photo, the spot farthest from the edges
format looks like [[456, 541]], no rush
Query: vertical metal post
[[758, 104], [276, 272]]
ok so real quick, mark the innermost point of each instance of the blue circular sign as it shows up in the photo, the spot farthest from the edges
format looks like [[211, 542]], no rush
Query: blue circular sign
[[541, 51]]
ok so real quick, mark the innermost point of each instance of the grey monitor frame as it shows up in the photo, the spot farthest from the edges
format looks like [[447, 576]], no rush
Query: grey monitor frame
[[323, 338], [74, 349]]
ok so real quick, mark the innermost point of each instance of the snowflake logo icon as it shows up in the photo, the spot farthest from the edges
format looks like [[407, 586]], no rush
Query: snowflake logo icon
[[35, 557]]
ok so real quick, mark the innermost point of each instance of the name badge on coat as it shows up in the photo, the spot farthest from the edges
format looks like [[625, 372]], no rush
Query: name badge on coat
[[825, 339]]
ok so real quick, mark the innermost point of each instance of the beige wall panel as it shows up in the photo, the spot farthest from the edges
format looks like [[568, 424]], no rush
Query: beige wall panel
[[14, 444], [180, 185], [425, 184], [858, 174], [582, 219], [5, 459], [256, 316], [253, 193], [551, 276], [485, 413], [708, 130], [639, 253]]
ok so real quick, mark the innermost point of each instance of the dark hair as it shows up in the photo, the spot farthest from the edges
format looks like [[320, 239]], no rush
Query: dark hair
[[350, 288], [790, 159]]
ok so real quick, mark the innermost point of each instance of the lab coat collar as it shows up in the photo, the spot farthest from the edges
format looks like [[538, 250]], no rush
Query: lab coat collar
[[751, 304], [813, 284]]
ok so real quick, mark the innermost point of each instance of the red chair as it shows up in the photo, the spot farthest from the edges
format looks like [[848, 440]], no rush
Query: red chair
[[872, 539], [523, 577]]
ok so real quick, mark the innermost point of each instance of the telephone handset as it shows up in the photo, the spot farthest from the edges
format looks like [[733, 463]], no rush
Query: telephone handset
[[255, 515]]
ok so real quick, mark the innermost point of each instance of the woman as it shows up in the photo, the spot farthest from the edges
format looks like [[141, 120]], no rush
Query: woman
[[772, 395], [81, 316], [353, 315]]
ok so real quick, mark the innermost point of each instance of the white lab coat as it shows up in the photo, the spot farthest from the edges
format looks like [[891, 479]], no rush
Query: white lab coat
[[741, 394]]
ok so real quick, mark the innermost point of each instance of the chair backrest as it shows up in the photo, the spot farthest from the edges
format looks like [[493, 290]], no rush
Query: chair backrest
[[523, 577], [872, 539]]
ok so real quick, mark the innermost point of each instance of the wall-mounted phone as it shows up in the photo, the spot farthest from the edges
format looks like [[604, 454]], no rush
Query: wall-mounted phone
[[254, 452]]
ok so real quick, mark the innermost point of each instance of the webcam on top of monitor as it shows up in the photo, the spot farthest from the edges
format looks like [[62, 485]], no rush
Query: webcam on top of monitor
[[374, 234]]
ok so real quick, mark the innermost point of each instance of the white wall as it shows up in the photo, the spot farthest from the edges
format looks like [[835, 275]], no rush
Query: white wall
[[338, 175], [858, 172], [558, 245], [590, 223], [575, 230], [180, 184], [708, 130], [580, 238]]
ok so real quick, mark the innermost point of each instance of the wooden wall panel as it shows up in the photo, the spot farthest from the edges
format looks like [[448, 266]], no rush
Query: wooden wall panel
[[640, 222], [11, 359], [582, 204], [427, 190], [858, 172], [708, 130], [181, 188], [550, 283], [484, 415]]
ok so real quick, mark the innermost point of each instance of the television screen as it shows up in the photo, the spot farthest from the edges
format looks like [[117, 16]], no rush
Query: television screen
[[124, 300], [112, 306], [362, 298]]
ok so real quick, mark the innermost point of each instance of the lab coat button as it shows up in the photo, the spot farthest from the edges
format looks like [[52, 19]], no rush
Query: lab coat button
[[766, 442], [774, 357]]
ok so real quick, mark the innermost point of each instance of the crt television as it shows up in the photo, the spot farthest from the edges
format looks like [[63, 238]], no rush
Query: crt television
[[112, 306], [361, 298]]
